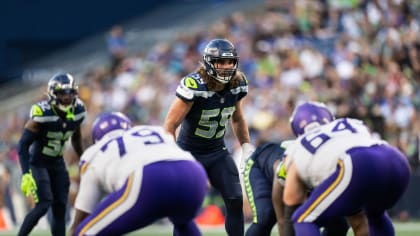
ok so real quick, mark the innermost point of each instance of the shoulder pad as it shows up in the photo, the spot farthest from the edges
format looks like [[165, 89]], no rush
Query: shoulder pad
[[244, 81], [79, 106], [191, 86], [79, 103], [242, 87], [79, 110], [40, 109], [36, 110], [193, 82]]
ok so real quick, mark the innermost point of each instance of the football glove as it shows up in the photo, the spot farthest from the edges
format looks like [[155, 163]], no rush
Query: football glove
[[28, 186], [247, 150], [281, 173]]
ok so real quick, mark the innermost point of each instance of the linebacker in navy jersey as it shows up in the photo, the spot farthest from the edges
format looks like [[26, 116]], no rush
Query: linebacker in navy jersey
[[206, 100], [44, 175]]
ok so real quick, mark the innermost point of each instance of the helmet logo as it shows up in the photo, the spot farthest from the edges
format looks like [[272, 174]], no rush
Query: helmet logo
[[108, 124], [191, 83], [212, 50], [303, 123], [227, 54], [103, 125]]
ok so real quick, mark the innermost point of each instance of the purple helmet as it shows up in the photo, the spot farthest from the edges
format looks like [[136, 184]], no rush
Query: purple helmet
[[309, 113], [108, 122]]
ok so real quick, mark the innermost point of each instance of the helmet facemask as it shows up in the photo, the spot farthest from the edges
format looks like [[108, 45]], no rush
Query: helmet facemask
[[62, 93], [218, 54], [223, 75]]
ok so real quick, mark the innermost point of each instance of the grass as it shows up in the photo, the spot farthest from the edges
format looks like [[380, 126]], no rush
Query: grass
[[402, 229]]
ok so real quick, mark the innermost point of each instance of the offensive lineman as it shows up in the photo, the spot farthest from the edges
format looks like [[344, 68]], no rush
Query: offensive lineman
[[142, 174], [351, 173], [264, 178]]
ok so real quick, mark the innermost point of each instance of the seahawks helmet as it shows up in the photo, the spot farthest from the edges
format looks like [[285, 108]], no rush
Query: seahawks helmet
[[309, 115], [58, 87], [218, 49], [109, 124]]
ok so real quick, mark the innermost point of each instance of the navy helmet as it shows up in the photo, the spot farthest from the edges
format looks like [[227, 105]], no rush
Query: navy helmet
[[218, 49], [62, 84], [309, 114], [109, 122]]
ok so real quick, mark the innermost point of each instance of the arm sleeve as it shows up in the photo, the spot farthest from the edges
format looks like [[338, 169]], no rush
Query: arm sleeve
[[288, 224], [25, 142]]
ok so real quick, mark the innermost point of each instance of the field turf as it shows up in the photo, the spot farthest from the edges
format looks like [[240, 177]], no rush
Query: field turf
[[402, 229]]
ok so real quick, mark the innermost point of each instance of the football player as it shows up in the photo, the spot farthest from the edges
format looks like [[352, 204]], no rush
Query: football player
[[264, 178], [44, 175], [142, 174], [351, 173], [206, 100], [259, 175]]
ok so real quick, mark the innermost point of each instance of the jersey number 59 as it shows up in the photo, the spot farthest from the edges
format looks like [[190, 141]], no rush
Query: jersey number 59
[[208, 124]]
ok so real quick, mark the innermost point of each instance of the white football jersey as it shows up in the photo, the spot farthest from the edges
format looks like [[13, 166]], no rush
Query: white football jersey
[[105, 166], [317, 152]]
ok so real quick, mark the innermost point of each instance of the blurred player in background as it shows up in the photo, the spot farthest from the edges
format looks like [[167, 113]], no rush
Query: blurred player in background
[[264, 178], [260, 172], [44, 175], [142, 174], [351, 173], [206, 100]]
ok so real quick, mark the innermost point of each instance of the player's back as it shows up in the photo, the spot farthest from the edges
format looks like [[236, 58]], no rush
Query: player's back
[[316, 153], [265, 156], [115, 158]]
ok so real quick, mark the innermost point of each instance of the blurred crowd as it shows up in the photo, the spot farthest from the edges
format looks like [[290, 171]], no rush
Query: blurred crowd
[[362, 58]]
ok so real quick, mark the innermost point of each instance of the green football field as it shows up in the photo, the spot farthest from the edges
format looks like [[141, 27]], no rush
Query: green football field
[[402, 229]]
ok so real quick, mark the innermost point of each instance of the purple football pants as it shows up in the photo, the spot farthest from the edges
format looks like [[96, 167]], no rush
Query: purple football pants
[[371, 179], [173, 189]]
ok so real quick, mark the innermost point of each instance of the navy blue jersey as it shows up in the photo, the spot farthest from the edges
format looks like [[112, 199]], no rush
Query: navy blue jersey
[[54, 131], [265, 156], [204, 126]]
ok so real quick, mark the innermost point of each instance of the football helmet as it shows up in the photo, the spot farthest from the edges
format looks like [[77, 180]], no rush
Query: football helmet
[[62, 91], [309, 115], [218, 49], [109, 124]]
